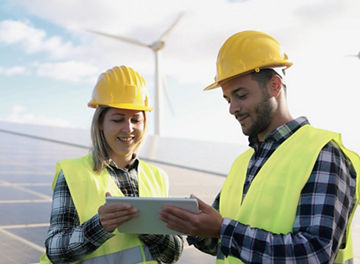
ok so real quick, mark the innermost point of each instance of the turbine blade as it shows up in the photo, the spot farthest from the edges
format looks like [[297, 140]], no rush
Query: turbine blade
[[166, 33], [166, 91], [125, 39]]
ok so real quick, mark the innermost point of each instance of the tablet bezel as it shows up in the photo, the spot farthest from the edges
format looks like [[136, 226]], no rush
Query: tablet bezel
[[148, 220]]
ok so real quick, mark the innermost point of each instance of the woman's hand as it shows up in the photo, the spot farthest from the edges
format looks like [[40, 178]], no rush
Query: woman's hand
[[205, 224], [113, 215]]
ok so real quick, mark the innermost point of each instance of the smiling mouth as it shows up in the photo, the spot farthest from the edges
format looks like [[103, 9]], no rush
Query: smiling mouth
[[125, 139], [241, 117]]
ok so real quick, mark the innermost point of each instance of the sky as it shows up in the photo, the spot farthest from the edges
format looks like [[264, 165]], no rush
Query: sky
[[49, 61]]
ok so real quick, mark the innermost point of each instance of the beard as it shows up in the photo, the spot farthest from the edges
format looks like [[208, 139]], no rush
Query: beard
[[263, 117], [263, 120]]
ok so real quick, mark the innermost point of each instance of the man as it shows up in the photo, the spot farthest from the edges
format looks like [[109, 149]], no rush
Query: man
[[291, 197]]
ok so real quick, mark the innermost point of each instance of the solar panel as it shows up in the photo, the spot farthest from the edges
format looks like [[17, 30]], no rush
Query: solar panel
[[27, 166]]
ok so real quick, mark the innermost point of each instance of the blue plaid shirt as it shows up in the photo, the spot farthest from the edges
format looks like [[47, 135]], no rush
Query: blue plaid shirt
[[67, 240], [323, 211]]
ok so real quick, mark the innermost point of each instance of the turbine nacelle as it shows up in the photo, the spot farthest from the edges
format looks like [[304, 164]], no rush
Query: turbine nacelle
[[157, 45]]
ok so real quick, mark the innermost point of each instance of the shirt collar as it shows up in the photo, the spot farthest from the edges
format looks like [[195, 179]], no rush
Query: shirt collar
[[132, 165], [282, 132]]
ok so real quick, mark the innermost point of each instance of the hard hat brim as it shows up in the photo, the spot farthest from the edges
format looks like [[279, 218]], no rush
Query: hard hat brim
[[124, 106], [211, 86], [216, 84]]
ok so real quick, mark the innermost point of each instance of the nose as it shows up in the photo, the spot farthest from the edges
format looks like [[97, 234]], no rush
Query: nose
[[234, 107], [128, 126]]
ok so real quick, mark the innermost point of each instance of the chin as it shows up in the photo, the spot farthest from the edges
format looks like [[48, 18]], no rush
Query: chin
[[245, 132]]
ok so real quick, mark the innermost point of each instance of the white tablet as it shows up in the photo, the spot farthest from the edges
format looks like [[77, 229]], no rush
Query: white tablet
[[148, 220]]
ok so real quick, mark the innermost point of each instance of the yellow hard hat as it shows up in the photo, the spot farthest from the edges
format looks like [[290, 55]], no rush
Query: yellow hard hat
[[245, 52], [121, 87]]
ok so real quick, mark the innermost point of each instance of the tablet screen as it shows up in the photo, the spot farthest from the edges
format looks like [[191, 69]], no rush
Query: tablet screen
[[148, 220]]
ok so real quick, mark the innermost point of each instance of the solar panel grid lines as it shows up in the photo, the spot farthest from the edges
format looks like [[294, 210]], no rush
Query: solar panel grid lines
[[26, 170], [24, 189], [22, 240], [27, 167]]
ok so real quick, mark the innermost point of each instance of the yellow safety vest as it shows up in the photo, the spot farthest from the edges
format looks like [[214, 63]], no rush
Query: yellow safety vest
[[88, 191], [272, 199]]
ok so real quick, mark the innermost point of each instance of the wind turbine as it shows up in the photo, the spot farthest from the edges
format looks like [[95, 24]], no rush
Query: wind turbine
[[156, 47], [355, 55]]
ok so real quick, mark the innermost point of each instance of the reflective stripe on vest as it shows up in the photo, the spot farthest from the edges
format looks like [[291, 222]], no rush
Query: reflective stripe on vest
[[350, 261], [136, 255], [132, 255], [88, 191], [272, 199]]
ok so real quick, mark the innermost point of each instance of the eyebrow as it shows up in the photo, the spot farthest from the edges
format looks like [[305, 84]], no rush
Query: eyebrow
[[121, 114], [113, 114], [235, 91]]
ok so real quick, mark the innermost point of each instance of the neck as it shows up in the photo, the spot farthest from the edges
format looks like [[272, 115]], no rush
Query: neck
[[280, 117], [122, 161]]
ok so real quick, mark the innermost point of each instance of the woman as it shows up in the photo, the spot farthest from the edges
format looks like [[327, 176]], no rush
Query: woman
[[83, 228]]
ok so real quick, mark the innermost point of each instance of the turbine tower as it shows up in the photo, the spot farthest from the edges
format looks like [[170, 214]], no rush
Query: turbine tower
[[156, 47]]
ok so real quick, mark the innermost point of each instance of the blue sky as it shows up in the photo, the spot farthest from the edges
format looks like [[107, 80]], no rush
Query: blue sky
[[49, 62]]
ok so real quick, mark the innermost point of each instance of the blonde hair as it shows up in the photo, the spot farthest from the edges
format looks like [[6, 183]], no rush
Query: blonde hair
[[100, 148]]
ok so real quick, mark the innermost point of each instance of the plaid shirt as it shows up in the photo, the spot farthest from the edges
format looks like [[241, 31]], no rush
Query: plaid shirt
[[67, 240], [323, 211]]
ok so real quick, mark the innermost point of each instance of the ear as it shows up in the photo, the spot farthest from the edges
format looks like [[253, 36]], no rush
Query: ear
[[275, 86]]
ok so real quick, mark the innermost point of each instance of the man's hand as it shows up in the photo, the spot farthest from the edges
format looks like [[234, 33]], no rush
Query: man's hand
[[205, 224], [113, 215]]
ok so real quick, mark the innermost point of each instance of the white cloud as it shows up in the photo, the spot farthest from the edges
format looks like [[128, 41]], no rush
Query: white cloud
[[20, 114], [74, 71], [191, 48], [316, 34], [195, 41], [15, 70], [34, 40]]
